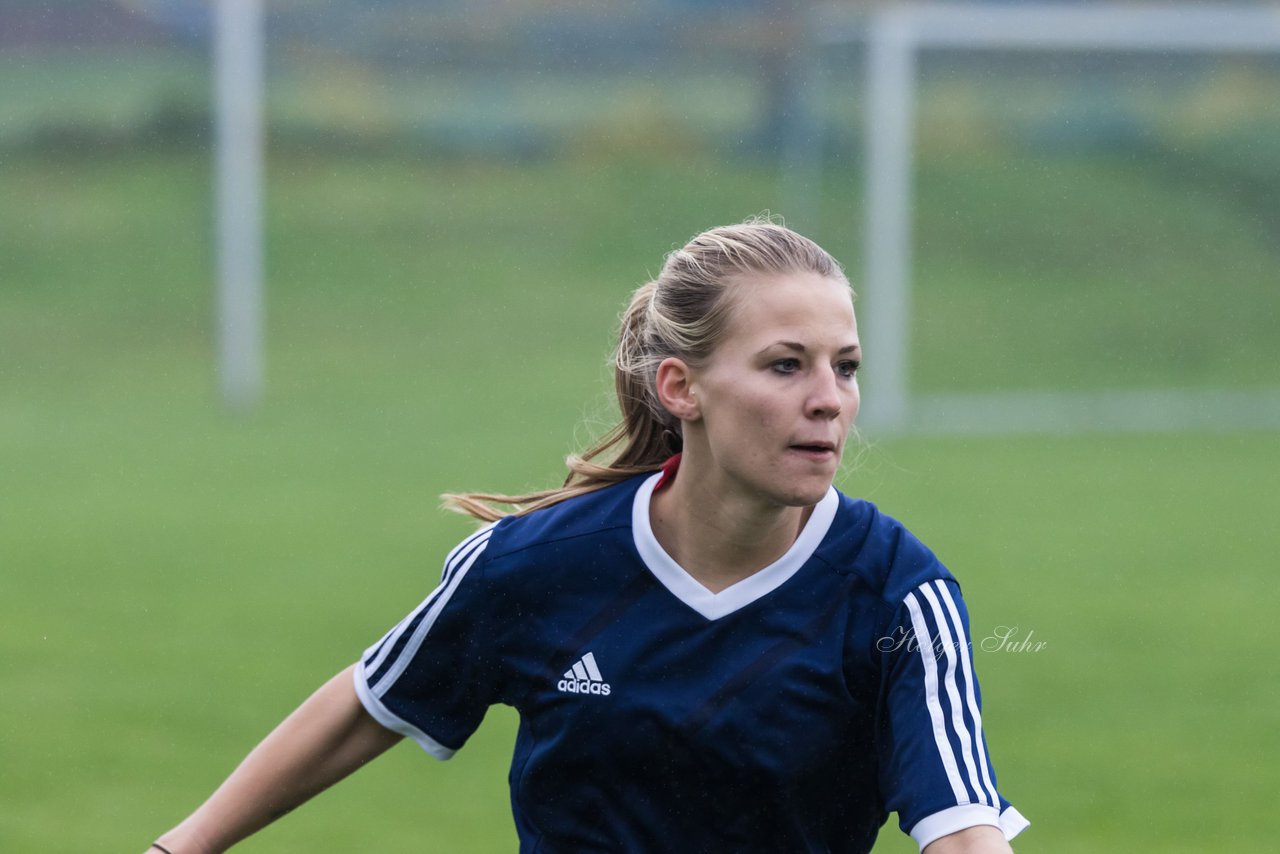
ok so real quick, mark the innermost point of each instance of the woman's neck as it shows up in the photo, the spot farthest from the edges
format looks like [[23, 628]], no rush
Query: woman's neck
[[717, 537]]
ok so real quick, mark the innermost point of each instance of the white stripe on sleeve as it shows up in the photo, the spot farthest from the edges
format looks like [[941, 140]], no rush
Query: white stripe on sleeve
[[388, 642], [949, 643], [970, 699], [433, 612], [451, 559], [924, 646]]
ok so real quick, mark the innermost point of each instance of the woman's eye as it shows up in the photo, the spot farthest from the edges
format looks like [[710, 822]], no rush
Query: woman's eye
[[786, 366], [847, 369]]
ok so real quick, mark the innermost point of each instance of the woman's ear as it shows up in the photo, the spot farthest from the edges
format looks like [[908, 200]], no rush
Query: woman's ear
[[675, 389]]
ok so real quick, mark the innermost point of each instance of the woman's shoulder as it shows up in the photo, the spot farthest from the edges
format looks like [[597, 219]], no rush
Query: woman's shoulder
[[594, 513], [873, 545]]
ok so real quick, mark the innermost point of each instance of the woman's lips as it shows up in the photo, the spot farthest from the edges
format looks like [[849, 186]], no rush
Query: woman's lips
[[819, 451]]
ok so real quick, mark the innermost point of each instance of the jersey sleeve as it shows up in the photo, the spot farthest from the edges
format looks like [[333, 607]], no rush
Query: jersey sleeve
[[935, 769], [430, 678]]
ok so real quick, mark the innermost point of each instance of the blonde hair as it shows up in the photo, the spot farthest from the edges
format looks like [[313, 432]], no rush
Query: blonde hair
[[682, 314]]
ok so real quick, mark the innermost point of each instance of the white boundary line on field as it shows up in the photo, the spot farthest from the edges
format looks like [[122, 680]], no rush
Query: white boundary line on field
[[1143, 410]]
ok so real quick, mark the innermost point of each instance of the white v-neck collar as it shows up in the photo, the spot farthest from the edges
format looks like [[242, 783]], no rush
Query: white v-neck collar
[[713, 606]]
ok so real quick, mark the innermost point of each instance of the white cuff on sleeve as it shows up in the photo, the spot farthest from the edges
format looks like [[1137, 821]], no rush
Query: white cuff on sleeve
[[953, 819], [1013, 822], [389, 719]]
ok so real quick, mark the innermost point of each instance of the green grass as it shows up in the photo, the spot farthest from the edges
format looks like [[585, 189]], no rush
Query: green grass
[[175, 579], [1090, 272]]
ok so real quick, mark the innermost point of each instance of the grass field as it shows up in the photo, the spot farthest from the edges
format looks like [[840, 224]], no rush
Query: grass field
[[175, 579]]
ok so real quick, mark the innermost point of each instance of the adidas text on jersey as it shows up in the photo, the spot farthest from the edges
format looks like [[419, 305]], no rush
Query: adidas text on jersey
[[584, 678]]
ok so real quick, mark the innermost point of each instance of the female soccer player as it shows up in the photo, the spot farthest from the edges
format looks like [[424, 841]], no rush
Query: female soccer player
[[710, 648]]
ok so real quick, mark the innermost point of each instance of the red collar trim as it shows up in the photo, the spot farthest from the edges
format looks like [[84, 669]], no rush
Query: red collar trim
[[669, 469]]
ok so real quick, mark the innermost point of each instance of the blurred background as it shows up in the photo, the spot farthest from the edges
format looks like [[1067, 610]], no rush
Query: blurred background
[[458, 198]]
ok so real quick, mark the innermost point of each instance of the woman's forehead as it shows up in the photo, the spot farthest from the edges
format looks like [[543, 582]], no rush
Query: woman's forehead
[[798, 302]]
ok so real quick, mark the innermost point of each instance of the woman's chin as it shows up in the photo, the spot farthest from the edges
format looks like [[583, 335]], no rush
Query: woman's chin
[[805, 494]]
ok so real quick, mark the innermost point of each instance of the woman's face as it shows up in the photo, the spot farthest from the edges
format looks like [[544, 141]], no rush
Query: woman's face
[[777, 396]]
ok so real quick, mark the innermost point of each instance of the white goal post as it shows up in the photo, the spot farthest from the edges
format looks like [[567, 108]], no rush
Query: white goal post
[[893, 36], [238, 58]]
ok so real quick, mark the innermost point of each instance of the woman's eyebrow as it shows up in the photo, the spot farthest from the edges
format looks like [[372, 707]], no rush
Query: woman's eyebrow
[[800, 348]]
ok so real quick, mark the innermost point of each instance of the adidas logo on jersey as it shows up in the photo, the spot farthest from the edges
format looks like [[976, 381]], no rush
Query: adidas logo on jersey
[[584, 678]]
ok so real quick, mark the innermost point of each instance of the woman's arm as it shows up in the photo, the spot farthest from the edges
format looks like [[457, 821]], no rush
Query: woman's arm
[[325, 739], [983, 839]]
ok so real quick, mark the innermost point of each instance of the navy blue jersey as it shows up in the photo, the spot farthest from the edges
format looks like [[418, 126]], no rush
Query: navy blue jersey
[[792, 711]]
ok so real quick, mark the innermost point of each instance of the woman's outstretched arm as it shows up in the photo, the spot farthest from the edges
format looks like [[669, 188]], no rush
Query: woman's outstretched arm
[[325, 739]]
